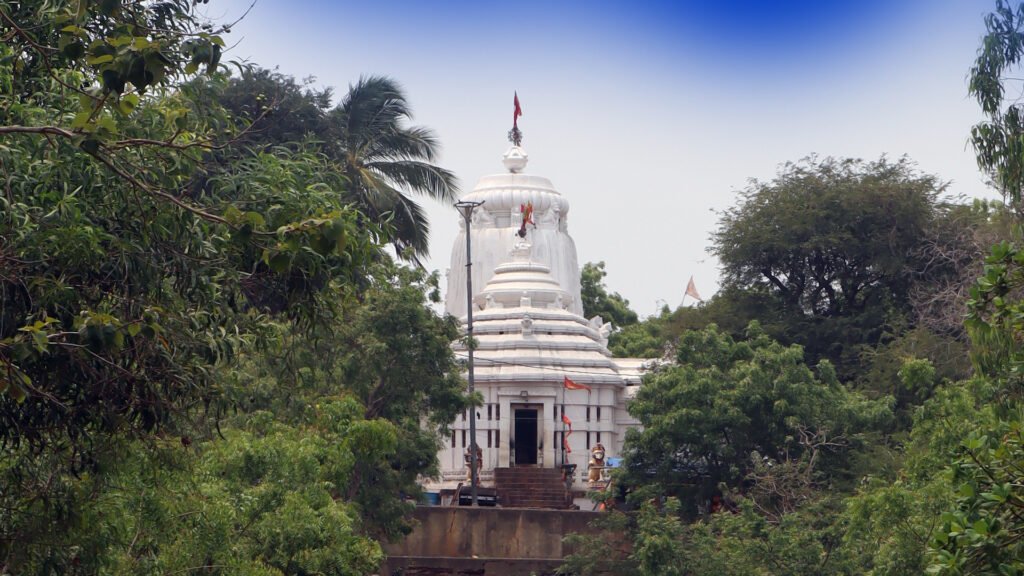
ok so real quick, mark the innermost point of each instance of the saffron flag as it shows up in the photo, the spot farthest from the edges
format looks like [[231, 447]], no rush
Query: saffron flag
[[691, 290], [570, 385], [565, 436], [517, 112]]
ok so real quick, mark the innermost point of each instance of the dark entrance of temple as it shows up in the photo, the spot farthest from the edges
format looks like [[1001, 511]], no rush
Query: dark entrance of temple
[[525, 436]]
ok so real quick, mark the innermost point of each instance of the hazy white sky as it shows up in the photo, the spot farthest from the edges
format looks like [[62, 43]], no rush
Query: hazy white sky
[[648, 119]]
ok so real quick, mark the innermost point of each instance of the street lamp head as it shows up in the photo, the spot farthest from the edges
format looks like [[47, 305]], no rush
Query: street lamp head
[[466, 207]]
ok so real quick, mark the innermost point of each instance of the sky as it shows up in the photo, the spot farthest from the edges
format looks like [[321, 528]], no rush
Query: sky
[[649, 118]]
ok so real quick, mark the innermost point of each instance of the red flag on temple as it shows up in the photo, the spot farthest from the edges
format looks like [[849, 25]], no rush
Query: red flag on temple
[[570, 385], [517, 112], [565, 436]]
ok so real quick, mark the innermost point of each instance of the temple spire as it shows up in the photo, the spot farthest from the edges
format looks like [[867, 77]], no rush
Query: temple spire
[[515, 135]]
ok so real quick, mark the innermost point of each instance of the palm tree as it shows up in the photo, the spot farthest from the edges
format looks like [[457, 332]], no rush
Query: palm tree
[[384, 160]]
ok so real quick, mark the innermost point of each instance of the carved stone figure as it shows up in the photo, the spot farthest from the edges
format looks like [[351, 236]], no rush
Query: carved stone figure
[[595, 468], [483, 219], [527, 324], [479, 463]]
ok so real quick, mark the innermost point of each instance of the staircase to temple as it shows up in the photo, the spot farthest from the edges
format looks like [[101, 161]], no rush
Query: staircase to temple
[[529, 487]]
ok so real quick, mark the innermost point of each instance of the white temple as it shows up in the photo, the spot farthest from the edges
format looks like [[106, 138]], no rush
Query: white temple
[[531, 335]]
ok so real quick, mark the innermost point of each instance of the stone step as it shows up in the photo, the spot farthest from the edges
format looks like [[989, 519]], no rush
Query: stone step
[[529, 479], [527, 488], [531, 488], [534, 493], [555, 480]]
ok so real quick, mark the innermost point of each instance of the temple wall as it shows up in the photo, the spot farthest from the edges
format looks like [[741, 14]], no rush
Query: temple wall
[[466, 532], [495, 422]]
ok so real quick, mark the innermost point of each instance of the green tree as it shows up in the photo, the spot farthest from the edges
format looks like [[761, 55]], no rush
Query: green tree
[[331, 429], [894, 517], [997, 140], [261, 500], [365, 135], [805, 542], [132, 276], [729, 405], [731, 309], [393, 354], [655, 546], [981, 532], [123, 285], [384, 160], [598, 302], [837, 245], [282, 111]]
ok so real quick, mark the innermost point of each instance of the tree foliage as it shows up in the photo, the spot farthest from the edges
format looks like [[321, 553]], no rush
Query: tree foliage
[[823, 249], [729, 404], [260, 500], [997, 140], [365, 136], [598, 302], [383, 158], [285, 112], [391, 353], [123, 283], [829, 237], [838, 245], [152, 275]]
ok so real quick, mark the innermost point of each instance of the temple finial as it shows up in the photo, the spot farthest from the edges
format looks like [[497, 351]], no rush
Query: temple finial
[[515, 135]]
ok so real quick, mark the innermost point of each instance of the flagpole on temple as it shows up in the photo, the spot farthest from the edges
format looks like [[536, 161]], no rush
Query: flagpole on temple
[[561, 447], [515, 135]]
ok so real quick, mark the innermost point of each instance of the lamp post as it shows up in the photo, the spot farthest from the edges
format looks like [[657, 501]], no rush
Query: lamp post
[[466, 208]]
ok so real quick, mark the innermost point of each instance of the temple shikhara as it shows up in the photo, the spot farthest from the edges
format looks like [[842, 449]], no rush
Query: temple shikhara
[[553, 394]]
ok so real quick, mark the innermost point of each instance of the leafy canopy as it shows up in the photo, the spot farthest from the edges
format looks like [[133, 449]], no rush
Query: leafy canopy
[[145, 269], [835, 246], [726, 405], [598, 302]]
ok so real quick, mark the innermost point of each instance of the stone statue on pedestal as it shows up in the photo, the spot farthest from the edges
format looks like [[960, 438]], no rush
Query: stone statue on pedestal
[[595, 468]]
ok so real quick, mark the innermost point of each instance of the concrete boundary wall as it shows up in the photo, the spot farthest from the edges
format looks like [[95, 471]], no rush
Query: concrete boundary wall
[[493, 533]]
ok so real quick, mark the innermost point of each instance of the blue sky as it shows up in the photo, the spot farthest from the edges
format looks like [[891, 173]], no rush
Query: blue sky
[[648, 117]]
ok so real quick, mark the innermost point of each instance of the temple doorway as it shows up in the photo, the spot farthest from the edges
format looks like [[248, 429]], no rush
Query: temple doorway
[[525, 435]]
